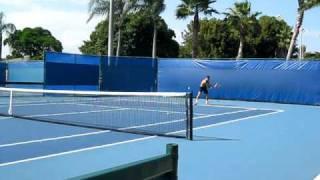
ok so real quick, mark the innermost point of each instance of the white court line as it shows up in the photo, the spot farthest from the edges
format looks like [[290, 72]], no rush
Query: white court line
[[156, 102], [124, 142], [238, 120], [223, 106], [211, 105], [53, 139], [71, 113], [67, 101], [231, 121], [3, 117], [74, 151], [141, 109], [181, 120], [127, 128], [94, 105], [80, 112], [38, 104], [70, 99], [20, 102], [239, 107], [216, 105]]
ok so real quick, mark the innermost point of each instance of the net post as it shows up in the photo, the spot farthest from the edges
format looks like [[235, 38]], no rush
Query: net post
[[101, 72], [189, 106], [10, 103]]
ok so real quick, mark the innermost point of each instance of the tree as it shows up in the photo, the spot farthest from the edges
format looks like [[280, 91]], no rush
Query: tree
[[274, 37], [4, 27], [218, 40], [312, 55], [267, 37], [98, 41], [283, 37], [241, 17], [154, 8], [137, 38], [193, 8], [121, 10], [303, 5], [32, 42]]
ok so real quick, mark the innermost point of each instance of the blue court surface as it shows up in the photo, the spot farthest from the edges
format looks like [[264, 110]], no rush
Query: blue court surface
[[232, 140]]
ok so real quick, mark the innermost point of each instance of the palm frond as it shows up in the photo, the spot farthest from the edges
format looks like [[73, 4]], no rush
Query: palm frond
[[127, 7], [98, 7], [9, 28], [183, 11], [309, 4], [1, 17], [6, 27], [211, 11]]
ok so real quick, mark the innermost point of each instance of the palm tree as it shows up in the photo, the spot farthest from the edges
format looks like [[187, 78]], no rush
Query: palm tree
[[154, 8], [193, 8], [304, 5], [127, 6], [241, 17], [121, 9], [4, 27], [283, 36]]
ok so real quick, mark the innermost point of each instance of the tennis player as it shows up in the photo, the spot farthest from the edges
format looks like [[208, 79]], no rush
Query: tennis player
[[204, 86]]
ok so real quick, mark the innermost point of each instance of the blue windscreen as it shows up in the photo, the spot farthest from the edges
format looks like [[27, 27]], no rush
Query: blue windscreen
[[71, 71], [25, 71], [3, 68], [130, 74], [254, 80]]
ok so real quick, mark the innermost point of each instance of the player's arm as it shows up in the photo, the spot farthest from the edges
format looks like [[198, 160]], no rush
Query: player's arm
[[209, 85]]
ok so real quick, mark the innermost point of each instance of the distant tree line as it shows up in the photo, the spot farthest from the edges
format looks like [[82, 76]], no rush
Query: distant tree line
[[32, 42], [266, 37], [137, 38], [241, 34], [139, 30]]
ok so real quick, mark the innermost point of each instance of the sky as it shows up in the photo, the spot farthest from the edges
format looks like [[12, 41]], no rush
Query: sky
[[66, 19]]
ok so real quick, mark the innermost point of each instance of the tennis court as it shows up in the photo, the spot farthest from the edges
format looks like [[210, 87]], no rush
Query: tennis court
[[229, 141], [26, 142]]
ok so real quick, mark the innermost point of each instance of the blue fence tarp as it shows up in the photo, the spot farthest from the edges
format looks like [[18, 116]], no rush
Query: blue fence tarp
[[253, 80], [262, 80], [3, 68], [81, 72], [71, 71], [25, 71], [130, 74]]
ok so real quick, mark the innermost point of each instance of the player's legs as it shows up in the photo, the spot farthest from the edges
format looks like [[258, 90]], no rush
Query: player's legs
[[207, 96], [207, 99], [199, 94]]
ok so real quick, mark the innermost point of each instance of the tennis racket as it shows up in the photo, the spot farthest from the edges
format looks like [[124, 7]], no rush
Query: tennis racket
[[217, 85]]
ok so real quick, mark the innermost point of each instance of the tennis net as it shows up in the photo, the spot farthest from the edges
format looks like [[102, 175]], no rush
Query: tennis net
[[148, 113]]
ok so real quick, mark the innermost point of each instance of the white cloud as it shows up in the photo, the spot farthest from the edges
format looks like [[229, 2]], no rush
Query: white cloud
[[45, 3], [16, 3], [69, 27]]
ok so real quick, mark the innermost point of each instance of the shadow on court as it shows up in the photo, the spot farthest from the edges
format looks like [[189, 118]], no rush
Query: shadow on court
[[208, 138]]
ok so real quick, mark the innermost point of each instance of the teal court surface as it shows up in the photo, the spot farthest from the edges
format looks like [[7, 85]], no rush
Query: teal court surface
[[232, 140]]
